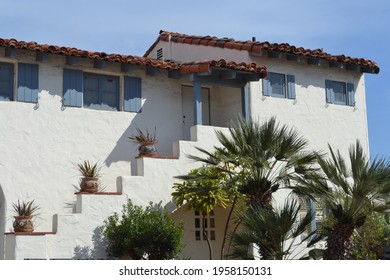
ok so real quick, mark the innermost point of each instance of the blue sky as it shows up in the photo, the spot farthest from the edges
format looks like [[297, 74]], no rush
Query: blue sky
[[357, 28]]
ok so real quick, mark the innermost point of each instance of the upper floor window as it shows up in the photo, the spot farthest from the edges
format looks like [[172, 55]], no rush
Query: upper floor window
[[340, 93], [279, 85], [27, 82], [101, 91], [6, 81]]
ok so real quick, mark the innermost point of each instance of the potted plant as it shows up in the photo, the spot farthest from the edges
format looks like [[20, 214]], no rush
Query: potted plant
[[90, 176], [25, 211], [146, 142]]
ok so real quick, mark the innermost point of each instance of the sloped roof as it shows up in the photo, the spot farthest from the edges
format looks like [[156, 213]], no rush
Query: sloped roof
[[183, 67], [257, 47]]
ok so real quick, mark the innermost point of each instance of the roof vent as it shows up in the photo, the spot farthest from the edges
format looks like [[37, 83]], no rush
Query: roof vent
[[160, 54], [253, 39]]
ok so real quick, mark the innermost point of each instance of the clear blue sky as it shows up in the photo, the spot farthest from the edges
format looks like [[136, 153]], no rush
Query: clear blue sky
[[358, 28]]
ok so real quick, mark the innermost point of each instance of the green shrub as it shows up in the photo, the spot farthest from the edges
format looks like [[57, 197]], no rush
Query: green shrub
[[371, 237], [139, 233]]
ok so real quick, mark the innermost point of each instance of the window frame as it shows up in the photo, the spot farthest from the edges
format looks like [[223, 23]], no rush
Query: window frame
[[128, 92], [101, 78], [288, 86], [210, 226], [349, 93], [11, 80]]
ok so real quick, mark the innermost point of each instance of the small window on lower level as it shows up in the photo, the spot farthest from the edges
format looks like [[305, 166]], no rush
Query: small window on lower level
[[204, 226]]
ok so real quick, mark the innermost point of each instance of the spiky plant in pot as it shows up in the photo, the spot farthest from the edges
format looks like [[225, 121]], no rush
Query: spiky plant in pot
[[25, 211], [90, 176]]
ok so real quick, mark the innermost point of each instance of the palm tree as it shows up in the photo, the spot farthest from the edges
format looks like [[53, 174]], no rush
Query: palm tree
[[257, 160], [274, 233], [358, 187]]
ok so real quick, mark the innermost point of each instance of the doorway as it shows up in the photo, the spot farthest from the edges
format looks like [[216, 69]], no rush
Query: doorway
[[188, 109]]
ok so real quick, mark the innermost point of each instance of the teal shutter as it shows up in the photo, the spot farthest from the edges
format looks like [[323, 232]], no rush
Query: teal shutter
[[27, 82], [6, 81], [291, 87], [329, 91], [266, 87], [73, 88], [350, 94], [132, 94]]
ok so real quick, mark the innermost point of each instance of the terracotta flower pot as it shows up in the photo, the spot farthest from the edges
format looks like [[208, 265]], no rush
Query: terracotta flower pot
[[23, 224], [89, 184]]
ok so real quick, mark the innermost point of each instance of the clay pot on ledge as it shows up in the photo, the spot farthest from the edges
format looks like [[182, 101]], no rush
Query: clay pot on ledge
[[88, 184], [147, 149], [25, 211], [23, 224], [90, 176], [146, 142]]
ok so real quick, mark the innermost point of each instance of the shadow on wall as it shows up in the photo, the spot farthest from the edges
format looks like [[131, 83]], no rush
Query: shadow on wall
[[168, 130], [98, 249], [2, 223]]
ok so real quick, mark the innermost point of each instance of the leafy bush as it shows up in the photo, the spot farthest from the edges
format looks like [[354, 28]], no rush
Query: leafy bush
[[148, 233], [371, 237]]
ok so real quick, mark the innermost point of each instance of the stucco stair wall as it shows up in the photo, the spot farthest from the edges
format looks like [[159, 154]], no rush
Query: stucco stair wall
[[79, 235]]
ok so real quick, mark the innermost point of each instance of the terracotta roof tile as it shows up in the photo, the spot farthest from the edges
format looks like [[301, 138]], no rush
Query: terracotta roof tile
[[258, 46], [205, 66], [183, 67], [143, 61]]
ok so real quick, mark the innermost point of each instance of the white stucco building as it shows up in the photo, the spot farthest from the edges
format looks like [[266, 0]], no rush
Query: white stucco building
[[62, 105]]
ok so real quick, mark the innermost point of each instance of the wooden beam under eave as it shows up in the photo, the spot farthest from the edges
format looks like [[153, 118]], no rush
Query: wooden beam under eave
[[293, 57], [71, 60], [100, 64], [151, 71], [127, 68], [174, 74], [314, 61], [42, 57], [228, 74], [273, 54], [336, 64], [10, 52], [352, 67]]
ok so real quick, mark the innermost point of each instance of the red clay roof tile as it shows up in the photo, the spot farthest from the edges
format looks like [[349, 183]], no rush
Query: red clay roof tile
[[183, 67], [258, 46]]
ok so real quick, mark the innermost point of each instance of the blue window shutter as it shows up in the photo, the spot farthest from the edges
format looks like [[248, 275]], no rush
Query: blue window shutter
[[28, 82], [350, 94], [73, 88], [132, 94], [266, 87], [291, 86], [6, 81], [329, 91]]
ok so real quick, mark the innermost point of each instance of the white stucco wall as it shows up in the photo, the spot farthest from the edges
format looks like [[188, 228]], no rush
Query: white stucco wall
[[40, 147]]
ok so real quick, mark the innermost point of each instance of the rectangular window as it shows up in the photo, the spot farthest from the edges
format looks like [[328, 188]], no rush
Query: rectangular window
[[315, 208], [207, 222], [28, 77], [100, 92], [6, 81], [279, 85], [340, 93]]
